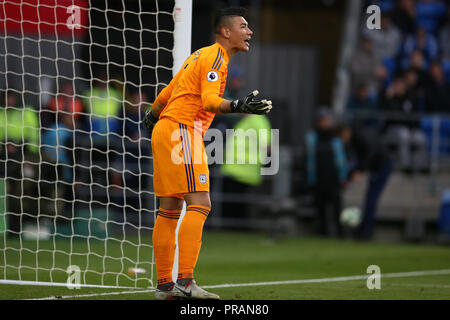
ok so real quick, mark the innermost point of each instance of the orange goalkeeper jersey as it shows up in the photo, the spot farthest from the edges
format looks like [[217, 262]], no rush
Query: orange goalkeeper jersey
[[200, 83]]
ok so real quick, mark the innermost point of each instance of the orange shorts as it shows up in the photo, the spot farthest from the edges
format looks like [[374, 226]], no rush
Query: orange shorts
[[180, 164]]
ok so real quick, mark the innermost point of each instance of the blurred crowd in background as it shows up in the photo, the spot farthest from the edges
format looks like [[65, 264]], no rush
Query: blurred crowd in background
[[403, 69], [405, 65], [400, 77]]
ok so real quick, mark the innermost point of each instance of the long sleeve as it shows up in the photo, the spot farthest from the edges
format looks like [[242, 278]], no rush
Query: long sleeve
[[213, 77]]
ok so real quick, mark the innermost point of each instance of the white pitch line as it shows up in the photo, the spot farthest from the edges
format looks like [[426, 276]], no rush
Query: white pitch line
[[336, 279], [57, 284], [425, 285], [94, 295], [271, 283]]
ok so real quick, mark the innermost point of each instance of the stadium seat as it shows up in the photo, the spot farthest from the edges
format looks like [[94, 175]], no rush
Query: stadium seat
[[429, 14], [385, 5], [444, 218], [444, 133], [105, 125], [446, 67], [391, 65]]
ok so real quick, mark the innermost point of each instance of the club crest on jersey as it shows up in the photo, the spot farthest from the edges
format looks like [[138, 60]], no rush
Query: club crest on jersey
[[202, 178], [212, 76]]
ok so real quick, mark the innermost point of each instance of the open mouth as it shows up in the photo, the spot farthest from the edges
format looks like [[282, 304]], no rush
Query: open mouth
[[247, 42]]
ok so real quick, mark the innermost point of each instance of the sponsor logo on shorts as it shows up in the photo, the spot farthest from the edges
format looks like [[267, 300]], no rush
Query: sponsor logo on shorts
[[202, 178]]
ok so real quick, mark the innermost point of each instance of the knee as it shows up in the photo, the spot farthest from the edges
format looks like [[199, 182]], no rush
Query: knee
[[169, 203], [204, 203], [198, 198]]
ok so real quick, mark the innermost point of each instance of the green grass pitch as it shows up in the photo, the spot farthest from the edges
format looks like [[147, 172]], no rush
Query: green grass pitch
[[237, 258]]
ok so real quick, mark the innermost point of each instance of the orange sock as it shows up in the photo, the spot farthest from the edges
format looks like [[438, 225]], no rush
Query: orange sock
[[190, 239], [164, 243]]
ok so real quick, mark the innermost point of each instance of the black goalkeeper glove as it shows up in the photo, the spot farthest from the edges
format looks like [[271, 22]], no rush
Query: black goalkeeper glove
[[251, 105], [150, 121]]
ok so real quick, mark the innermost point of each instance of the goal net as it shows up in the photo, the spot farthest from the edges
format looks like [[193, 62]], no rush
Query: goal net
[[76, 194]]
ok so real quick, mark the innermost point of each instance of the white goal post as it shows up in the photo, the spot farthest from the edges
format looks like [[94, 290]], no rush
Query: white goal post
[[76, 194]]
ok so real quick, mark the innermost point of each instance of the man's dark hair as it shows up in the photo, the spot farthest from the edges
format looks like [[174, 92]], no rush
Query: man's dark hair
[[223, 15]]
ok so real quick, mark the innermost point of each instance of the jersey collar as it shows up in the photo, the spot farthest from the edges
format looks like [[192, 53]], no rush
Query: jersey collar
[[225, 53]]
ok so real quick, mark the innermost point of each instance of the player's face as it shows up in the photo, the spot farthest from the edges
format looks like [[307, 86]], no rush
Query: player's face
[[240, 34]]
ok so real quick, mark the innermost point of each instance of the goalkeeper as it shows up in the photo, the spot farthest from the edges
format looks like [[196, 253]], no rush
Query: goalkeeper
[[187, 105]]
